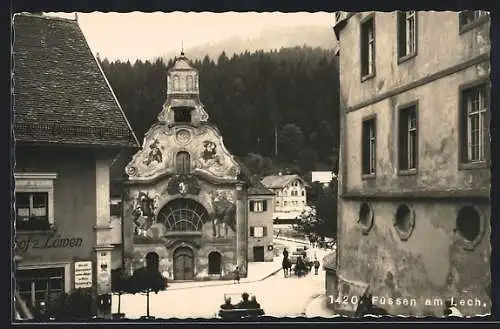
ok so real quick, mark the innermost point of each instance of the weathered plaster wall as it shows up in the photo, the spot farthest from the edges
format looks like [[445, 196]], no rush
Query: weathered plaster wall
[[432, 263], [74, 208], [438, 138], [435, 51]]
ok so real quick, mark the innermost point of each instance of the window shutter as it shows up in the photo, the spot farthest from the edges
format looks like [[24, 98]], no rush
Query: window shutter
[[463, 127], [402, 140], [264, 205], [264, 231], [365, 146], [401, 34], [251, 231], [252, 205]]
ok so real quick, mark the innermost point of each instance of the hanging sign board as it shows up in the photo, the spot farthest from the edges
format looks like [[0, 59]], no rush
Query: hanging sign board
[[83, 274]]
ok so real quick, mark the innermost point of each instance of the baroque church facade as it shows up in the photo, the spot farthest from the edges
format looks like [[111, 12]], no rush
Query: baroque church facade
[[185, 203]]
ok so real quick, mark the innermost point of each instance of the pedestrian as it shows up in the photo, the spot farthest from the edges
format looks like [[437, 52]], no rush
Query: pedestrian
[[237, 275], [285, 253], [316, 266]]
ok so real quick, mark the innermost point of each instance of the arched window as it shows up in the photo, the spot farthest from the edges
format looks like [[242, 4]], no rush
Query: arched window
[[190, 86], [214, 263], [152, 261], [183, 215], [177, 84], [183, 162]]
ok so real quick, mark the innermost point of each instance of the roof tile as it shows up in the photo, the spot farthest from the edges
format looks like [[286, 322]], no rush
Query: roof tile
[[60, 92]]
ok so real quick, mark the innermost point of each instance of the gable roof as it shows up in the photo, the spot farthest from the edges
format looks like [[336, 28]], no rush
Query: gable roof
[[61, 95], [257, 188], [280, 181]]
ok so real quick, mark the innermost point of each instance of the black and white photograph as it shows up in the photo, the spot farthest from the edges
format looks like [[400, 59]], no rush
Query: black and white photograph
[[249, 166]]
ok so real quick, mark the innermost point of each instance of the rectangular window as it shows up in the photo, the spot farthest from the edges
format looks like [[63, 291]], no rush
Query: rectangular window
[[367, 48], [369, 146], [32, 211], [408, 138], [39, 285], [258, 205], [475, 121], [258, 231], [407, 33], [471, 18]]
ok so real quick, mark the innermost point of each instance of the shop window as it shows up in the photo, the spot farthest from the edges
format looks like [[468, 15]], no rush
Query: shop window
[[40, 285]]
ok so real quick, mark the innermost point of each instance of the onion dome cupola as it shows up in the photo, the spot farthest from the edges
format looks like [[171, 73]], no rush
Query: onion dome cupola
[[183, 105]]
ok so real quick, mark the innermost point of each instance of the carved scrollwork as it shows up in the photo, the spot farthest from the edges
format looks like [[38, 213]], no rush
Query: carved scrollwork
[[131, 171]]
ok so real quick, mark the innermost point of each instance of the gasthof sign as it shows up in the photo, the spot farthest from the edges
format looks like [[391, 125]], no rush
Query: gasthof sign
[[83, 274]]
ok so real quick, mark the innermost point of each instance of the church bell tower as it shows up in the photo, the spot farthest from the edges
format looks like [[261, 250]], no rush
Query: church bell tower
[[183, 105]]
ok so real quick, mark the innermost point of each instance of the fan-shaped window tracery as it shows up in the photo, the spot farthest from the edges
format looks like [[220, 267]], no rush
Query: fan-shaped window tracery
[[183, 215]]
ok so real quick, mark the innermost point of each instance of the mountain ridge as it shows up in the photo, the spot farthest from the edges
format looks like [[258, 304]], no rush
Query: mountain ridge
[[267, 40]]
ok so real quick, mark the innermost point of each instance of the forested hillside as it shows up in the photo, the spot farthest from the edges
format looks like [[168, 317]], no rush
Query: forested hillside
[[291, 91]]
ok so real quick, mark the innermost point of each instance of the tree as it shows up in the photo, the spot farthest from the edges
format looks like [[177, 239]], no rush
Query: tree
[[291, 141], [308, 221], [307, 159], [145, 280]]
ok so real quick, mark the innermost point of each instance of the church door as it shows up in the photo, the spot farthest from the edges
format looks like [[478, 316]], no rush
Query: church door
[[183, 264]]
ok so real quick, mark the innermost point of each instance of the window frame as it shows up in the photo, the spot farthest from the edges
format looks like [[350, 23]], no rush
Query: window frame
[[68, 285], [400, 109], [463, 135], [37, 183], [463, 28], [252, 231], [365, 120], [399, 18], [365, 20], [252, 205]]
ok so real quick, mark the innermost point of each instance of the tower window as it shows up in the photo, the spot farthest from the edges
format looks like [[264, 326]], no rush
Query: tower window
[[182, 114], [177, 84], [190, 86]]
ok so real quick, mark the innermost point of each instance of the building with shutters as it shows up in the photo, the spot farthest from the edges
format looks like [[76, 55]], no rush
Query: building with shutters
[[68, 126], [414, 178], [185, 202], [260, 223]]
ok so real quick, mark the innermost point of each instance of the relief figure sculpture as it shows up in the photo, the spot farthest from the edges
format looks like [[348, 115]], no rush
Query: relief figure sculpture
[[224, 214]]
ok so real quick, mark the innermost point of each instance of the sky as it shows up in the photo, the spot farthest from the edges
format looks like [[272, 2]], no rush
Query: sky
[[139, 35]]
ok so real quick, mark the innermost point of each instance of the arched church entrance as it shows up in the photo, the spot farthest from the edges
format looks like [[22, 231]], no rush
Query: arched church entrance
[[183, 264], [183, 219]]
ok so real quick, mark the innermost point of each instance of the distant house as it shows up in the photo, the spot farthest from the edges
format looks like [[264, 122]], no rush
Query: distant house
[[68, 126], [289, 192], [324, 177]]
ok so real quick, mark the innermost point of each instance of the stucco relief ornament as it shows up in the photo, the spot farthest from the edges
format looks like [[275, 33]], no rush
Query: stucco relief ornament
[[131, 171], [224, 213], [183, 185], [183, 136]]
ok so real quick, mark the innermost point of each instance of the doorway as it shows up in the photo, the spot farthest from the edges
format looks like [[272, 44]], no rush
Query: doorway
[[258, 254], [183, 264], [214, 263]]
